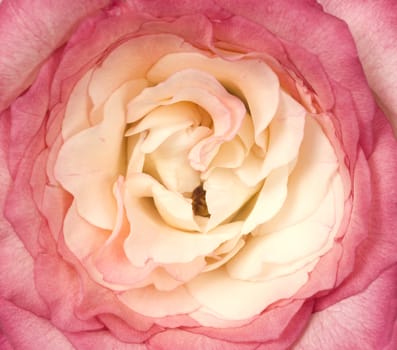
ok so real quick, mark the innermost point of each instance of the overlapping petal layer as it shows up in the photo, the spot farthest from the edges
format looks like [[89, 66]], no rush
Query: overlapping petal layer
[[186, 178]]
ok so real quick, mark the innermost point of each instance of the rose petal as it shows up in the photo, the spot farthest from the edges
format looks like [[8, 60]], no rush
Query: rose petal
[[225, 195], [316, 156], [370, 316], [375, 47], [151, 302], [91, 161], [29, 33], [285, 136], [25, 330], [209, 290], [304, 241], [150, 238]]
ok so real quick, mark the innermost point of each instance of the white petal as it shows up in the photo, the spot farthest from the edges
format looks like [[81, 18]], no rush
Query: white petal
[[175, 210], [288, 245], [251, 79], [89, 162], [310, 179], [153, 303], [171, 163], [129, 61], [163, 116], [270, 199], [225, 195], [152, 239], [226, 110], [231, 299], [285, 137]]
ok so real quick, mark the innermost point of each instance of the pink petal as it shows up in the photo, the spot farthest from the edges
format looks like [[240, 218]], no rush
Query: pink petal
[[374, 28], [363, 321], [182, 340], [29, 33], [25, 330]]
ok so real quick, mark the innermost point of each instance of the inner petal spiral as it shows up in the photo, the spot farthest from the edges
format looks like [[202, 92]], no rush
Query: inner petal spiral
[[196, 177]]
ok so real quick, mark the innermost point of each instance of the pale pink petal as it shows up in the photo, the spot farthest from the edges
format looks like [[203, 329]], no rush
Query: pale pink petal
[[81, 237], [373, 25]]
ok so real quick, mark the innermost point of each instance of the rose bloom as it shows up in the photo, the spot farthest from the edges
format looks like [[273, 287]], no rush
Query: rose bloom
[[198, 175]]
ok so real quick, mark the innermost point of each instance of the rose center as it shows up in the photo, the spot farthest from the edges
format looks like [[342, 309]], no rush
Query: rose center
[[199, 204]]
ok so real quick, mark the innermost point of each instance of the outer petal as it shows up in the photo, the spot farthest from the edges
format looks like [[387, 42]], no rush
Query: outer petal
[[27, 331], [364, 321], [374, 28], [29, 33]]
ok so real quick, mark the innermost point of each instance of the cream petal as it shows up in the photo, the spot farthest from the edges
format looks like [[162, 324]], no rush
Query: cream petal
[[251, 79], [171, 163], [153, 303], [152, 239], [285, 136], [136, 158], [163, 116], [246, 133], [316, 156], [288, 245], [242, 299], [89, 162], [164, 121], [231, 154], [225, 258], [76, 116], [174, 209], [129, 61], [206, 319], [270, 199], [226, 110], [225, 195], [157, 136], [271, 270]]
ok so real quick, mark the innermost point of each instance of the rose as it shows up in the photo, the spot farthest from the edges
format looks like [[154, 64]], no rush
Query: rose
[[84, 313]]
